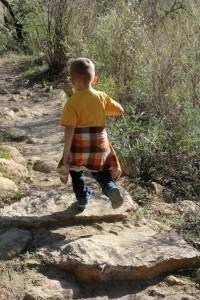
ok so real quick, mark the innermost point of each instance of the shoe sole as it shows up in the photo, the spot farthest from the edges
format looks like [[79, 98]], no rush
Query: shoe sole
[[115, 198], [81, 207]]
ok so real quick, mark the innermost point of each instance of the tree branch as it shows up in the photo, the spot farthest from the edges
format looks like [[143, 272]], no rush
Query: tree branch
[[17, 25]]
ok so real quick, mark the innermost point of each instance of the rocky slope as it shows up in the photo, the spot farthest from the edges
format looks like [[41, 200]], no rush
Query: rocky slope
[[48, 250]]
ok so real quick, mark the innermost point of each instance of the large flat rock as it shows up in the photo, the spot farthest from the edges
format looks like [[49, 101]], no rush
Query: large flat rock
[[136, 253], [59, 207]]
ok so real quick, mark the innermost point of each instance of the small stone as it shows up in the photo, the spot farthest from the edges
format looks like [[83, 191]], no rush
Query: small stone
[[155, 188], [3, 91], [144, 221], [16, 92], [15, 109], [48, 89], [34, 141], [13, 99], [9, 79], [172, 280], [29, 94], [48, 179], [156, 292], [9, 115], [36, 100]]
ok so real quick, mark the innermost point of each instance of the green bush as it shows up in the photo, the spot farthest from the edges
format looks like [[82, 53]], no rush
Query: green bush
[[5, 154], [8, 44]]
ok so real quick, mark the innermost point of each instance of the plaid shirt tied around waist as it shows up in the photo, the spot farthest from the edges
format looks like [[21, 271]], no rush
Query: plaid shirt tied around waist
[[92, 151]]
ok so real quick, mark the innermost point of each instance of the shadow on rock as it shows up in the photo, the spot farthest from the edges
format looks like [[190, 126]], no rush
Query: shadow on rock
[[65, 217]]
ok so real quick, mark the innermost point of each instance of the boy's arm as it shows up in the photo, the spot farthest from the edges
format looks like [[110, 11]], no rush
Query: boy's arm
[[68, 120], [112, 107], [69, 134]]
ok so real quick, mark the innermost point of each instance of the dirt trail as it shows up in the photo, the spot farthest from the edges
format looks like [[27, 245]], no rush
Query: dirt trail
[[31, 117]]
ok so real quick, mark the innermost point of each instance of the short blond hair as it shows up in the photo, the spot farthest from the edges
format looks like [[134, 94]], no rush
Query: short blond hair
[[82, 68]]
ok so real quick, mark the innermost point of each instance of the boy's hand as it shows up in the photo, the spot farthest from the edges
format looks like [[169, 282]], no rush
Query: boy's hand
[[67, 158], [67, 155]]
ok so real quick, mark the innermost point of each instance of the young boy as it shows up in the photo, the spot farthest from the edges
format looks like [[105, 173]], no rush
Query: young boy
[[86, 144]]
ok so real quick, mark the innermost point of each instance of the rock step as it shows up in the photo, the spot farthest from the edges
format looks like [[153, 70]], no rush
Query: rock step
[[138, 253], [55, 208], [13, 242]]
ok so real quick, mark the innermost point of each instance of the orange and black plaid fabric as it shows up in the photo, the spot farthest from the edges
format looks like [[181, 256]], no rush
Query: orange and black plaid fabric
[[92, 151]]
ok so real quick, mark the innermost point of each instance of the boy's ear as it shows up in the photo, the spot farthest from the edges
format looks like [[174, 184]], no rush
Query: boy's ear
[[94, 80]]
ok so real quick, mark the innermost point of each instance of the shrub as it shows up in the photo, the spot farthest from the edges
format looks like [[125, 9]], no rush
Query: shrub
[[5, 154]]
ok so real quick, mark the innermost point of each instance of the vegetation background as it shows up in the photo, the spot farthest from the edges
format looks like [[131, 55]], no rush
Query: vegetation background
[[147, 56]]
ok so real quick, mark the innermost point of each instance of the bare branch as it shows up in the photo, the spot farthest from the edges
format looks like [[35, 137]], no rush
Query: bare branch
[[17, 25]]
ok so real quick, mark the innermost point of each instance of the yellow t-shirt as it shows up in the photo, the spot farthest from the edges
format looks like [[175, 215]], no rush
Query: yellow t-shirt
[[89, 108]]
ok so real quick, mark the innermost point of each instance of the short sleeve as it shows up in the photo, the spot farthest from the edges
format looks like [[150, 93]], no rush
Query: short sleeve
[[112, 107], [69, 115]]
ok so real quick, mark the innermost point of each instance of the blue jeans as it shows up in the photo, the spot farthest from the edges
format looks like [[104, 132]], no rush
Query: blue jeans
[[82, 192]]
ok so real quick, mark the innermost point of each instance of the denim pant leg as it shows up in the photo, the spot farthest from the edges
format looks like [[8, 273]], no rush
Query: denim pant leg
[[82, 192], [105, 180]]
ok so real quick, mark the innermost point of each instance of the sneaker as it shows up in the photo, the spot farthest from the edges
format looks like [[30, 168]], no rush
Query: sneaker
[[82, 203], [115, 197], [81, 207]]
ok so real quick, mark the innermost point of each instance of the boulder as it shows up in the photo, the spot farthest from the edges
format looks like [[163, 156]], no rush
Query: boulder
[[12, 168], [7, 185], [15, 154], [55, 207], [155, 188], [13, 242], [45, 166], [130, 167], [138, 253], [188, 206], [12, 134]]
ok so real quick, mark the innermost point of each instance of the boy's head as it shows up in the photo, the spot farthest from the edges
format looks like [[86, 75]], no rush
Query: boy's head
[[82, 70]]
